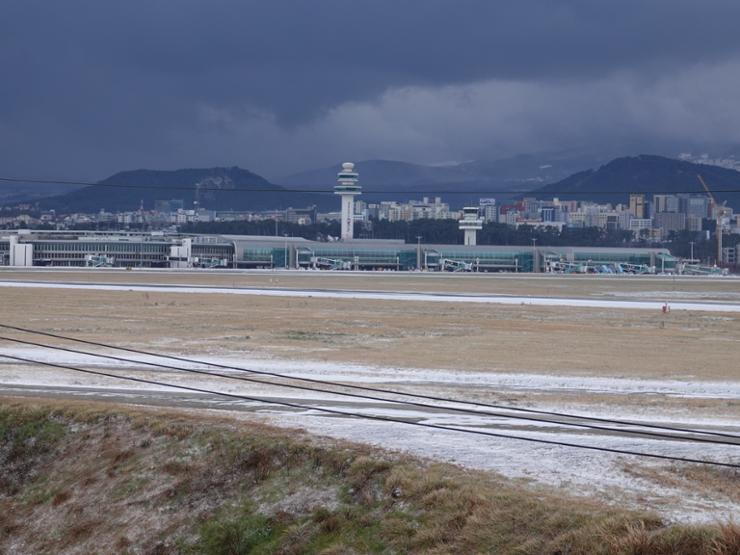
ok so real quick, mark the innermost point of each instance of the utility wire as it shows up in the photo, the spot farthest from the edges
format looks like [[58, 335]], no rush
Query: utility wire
[[375, 417], [329, 191], [374, 389], [382, 399]]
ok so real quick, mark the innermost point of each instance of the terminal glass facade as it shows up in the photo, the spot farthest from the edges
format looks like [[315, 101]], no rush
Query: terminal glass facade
[[4, 253], [211, 251], [257, 257], [122, 253], [491, 260]]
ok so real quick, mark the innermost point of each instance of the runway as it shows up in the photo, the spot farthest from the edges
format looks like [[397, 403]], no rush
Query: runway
[[382, 296]]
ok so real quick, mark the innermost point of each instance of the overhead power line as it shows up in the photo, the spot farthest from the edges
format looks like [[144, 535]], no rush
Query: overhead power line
[[330, 191], [374, 417], [620, 431], [371, 389]]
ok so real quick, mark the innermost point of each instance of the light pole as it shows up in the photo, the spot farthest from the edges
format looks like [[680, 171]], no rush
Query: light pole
[[692, 250], [418, 252], [534, 255], [286, 250]]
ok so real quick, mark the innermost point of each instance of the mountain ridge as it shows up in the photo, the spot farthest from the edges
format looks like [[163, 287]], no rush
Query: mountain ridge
[[644, 173], [216, 188]]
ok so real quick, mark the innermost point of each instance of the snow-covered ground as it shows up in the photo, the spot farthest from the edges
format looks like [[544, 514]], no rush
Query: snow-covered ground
[[576, 470], [388, 296], [355, 373]]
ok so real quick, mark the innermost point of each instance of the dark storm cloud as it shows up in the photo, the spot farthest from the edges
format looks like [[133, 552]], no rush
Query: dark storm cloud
[[97, 86]]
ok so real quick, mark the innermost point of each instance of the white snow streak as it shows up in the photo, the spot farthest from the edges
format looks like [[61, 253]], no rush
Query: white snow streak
[[387, 296]]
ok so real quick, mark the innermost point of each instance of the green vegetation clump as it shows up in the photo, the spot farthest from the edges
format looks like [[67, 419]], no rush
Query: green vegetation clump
[[26, 436], [237, 531], [242, 529]]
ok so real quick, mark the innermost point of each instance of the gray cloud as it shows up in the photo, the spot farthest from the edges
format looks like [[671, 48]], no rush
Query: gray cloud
[[92, 87]]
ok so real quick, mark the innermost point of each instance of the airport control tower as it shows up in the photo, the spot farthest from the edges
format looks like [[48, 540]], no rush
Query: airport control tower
[[347, 188], [471, 223]]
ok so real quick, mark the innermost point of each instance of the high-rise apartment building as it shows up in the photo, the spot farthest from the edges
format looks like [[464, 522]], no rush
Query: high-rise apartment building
[[637, 206]]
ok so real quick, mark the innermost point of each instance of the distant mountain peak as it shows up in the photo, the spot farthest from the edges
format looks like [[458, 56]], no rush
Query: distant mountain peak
[[647, 173], [209, 186]]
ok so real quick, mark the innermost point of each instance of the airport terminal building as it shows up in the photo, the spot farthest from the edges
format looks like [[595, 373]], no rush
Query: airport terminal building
[[172, 250]]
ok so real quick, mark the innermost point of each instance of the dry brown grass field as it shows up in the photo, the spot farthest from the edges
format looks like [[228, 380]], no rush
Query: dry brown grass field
[[605, 342]]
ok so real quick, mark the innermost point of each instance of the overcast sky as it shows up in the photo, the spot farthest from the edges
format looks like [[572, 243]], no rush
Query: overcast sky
[[91, 87]]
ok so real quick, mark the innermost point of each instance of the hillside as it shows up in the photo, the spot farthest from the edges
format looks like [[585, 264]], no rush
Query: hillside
[[613, 182], [75, 477], [214, 188], [17, 192]]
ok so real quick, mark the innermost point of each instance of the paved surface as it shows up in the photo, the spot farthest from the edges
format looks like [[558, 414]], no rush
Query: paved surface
[[383, 296]]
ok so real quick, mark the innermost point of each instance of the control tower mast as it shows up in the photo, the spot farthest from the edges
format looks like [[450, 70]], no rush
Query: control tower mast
[[347, 188]]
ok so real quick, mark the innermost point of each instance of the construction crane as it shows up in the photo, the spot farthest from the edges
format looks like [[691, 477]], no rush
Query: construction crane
[[719, 212]]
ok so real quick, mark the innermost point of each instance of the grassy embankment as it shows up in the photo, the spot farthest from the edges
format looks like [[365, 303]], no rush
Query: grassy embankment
[[90, 478]]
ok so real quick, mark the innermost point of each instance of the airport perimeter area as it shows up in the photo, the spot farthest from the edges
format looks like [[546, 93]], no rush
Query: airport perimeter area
[[649, 349]]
